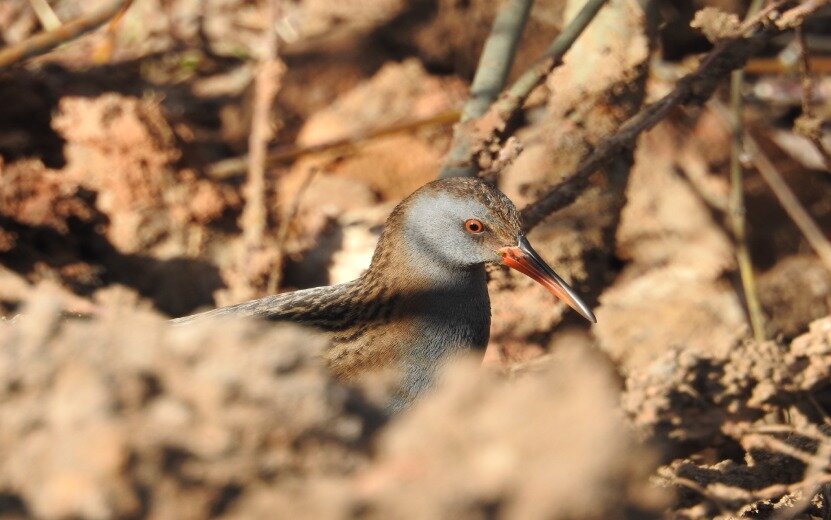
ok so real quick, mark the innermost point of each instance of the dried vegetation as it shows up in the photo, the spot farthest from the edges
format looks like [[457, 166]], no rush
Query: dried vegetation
[[121, 196]]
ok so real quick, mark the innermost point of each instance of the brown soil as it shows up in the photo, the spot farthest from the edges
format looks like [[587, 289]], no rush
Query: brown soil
[[111, 222]]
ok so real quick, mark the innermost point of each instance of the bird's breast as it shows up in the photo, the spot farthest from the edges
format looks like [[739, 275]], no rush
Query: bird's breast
[[422, 333]]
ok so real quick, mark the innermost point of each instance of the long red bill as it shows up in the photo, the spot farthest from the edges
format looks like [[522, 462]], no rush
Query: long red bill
[[524, 259]]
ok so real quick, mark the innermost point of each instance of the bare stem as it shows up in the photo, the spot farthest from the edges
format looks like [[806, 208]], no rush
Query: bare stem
[[800, 216], [459, 163], [45, 41], [102, 52], [229, 168], [491, 73], [552, 58], [497, 58], [755, 13], [811, 481], [736, 210], [266, 81], [786, 197], [805, 70], [277, 273], [736, 213], [810, 125], [46, 16], [692, 89]]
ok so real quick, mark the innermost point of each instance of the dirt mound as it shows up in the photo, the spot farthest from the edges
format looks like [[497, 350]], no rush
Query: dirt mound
[[117, 200], [527, 449], [744, 420], [128, 416]]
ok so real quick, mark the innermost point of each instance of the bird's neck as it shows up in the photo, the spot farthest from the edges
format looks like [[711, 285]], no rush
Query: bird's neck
[[397, 263], [440, 310]]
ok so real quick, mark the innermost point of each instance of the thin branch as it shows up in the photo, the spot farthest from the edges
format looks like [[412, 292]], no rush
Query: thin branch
[[797, 15], [808, 124], [102, 53], [736, 213], [703, 491], [552, 58], [805, 70], [46, 16], [726, 493], [692, 89], [786, 197], [266, 81], [45, 41], [810, 481], [756, 14], [773, 444], [800, 216], [229, 168], [459, 162], [497, 58], [809, 430], [815, 477], [491, 73], [817, 65]]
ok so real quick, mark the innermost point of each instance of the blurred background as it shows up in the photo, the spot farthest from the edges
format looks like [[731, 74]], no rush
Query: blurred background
[[127, 196]]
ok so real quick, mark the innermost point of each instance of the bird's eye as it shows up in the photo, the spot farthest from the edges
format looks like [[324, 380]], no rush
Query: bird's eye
[[473, 226]]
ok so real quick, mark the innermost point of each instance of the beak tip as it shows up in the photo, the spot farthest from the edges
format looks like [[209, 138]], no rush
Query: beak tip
[[587, 313], [524, 259]]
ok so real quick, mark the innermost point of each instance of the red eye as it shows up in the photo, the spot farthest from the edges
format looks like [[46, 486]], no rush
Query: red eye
[[474, 226]]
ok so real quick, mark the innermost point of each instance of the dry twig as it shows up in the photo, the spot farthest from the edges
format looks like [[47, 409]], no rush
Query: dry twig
[[229, 168], [786, 197], [266, 81], [815, 477], [46, 16], [460, 161], [736, 213], [491, 73], [104, 50], [692, 89], [517, 93], [808, 123], [811, 482], [817, 64], [772, 444], [497, 58], [757, 14], [703, 491], [45, 41], [797, 15]]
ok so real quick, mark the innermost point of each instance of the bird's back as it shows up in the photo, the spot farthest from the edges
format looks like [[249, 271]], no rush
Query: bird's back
[[327, 308], [374, 327]]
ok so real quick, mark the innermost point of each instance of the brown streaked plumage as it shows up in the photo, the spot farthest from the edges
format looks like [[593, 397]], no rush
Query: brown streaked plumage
[[424, 296]]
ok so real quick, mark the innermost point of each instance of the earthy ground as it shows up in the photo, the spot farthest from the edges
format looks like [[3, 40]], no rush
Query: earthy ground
[[114, 216]]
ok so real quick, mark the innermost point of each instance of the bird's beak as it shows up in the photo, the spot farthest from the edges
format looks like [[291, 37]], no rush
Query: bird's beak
[[524, 259]]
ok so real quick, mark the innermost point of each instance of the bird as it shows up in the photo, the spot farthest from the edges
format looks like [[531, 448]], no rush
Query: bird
[[424, 298]]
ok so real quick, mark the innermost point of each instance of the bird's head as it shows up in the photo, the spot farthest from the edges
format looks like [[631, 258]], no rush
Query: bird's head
[[458, 223]]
